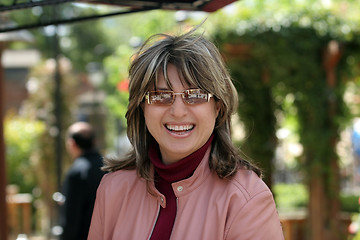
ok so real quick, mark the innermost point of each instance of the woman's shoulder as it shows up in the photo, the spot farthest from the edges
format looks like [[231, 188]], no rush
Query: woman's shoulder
[[114, 180], [248, 183], [121, 173]]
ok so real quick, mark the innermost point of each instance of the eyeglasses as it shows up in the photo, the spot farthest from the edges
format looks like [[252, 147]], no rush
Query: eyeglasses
[[190, 96]]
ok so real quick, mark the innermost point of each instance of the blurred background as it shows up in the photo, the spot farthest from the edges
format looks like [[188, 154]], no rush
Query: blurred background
[[296, 65]]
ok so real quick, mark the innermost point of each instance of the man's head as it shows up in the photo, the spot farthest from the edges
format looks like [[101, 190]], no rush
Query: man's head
[[80, 138]]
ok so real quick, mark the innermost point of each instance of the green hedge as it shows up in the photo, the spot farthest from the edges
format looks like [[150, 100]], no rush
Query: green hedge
[[290, 196], [349, 203], [295, 196]]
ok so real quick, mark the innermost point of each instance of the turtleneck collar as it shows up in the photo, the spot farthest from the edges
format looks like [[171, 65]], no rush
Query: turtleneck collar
[[181, 169]]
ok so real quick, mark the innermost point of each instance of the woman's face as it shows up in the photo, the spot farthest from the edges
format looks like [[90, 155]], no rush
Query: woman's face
[[180, 128]]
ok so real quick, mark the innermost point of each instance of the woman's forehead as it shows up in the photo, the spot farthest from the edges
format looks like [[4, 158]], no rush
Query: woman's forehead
[[167, 77]]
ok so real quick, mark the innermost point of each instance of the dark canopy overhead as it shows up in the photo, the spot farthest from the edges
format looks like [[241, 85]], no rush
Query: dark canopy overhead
[[118, 7]]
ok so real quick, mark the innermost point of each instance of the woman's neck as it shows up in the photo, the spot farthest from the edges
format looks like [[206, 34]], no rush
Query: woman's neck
[[181, 169]]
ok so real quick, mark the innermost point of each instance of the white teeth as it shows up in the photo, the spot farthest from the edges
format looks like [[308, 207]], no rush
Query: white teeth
[[179, 128]]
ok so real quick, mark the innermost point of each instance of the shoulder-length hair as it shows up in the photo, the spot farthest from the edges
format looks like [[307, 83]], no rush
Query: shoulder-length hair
[[199, 64]]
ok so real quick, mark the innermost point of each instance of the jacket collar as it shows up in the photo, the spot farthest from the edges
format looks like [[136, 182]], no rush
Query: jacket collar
[[187, 185]]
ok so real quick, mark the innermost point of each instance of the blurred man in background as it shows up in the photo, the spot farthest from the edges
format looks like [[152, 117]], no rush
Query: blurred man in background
[[81, 182]]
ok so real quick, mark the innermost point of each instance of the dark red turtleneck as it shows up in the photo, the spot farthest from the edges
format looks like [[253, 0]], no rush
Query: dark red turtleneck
[[165, 175]]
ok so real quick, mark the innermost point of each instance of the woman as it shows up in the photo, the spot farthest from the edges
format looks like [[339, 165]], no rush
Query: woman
[[183, 179]]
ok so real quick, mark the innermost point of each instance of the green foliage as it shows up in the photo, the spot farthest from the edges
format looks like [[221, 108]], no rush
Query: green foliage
[[116, 68], [88, 42], [22, 138], [304, 55], [145, 24], [357, 236], [353, 90], [290, 196], [260, 126], [278, 56], [39, 107], [349, 203], [81, 42], [296, 196]]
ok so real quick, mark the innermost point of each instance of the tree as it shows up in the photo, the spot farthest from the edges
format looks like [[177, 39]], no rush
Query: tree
[[22, 137], [39, 107], [303, 54]]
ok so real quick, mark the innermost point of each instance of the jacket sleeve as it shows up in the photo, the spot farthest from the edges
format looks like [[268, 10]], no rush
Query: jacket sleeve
[[96, 231], [258, 219]]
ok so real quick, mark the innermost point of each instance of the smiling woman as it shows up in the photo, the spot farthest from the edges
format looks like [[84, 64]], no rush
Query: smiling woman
[[181, 127], [183, 179]]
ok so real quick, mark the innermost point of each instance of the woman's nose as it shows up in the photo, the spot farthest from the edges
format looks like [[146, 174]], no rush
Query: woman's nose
[[178, 108]]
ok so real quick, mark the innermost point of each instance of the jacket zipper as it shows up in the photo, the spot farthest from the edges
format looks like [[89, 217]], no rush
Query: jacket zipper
[[157, 216]]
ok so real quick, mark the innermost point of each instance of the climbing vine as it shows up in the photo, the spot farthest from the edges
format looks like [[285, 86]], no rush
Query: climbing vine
[[310, 58]]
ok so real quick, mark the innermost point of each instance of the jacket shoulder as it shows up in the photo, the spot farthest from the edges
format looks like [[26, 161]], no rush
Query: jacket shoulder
[[248, 183], [258, 208], [121, 179]]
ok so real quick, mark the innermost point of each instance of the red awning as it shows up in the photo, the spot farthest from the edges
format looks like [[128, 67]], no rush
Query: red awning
[[194, 5]]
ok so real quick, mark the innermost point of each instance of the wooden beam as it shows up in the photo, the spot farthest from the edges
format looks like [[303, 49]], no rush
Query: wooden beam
[[3, 208]]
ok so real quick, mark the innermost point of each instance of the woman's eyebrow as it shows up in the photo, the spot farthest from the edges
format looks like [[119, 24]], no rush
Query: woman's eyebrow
[[163, 88]]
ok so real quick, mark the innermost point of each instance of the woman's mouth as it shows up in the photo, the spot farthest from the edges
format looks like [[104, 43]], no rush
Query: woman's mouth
[[179, 129]]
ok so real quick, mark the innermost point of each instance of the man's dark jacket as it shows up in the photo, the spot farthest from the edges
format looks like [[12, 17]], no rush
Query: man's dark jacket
[[79, 188]]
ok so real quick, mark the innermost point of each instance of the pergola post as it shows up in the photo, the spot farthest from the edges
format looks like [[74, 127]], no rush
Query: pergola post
[[3, 208]]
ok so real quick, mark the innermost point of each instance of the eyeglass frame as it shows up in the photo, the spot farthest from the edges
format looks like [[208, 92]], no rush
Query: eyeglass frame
[[147, 96]]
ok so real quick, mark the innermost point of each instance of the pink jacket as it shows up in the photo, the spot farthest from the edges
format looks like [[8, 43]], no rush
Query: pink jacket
[[207, 207]]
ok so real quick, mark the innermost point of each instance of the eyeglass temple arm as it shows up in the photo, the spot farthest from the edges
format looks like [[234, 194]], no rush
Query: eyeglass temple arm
[[147, 97]]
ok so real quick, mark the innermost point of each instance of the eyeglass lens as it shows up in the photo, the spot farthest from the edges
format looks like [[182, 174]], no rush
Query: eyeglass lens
[[191, 96]]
